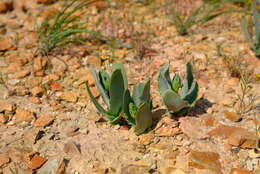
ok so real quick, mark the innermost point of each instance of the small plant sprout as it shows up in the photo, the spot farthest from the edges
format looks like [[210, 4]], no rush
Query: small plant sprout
[[178, 104], [111, 88], [62, 29], [253, 40], [138, 108]]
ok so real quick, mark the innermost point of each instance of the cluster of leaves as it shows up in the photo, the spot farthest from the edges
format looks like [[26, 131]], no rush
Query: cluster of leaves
[[209, 10], [116, 95], [253, 38], [62, 29], [169, 89], [137, 109]]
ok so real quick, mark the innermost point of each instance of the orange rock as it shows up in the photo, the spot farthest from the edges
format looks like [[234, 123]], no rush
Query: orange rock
[[4, 159], [232, 116], [209, 121], [236, 136], [5, 45], [45, 1], [95, 92], [240, 171], [233, 81], [22, 73], [39, 63], [146, 139], [69, 96], [205, 160], [3, 118], [3, 7], [56, 86], [37, 91], [36, 162], [44, 120], [23, 115], [35, 100], [6, 106]]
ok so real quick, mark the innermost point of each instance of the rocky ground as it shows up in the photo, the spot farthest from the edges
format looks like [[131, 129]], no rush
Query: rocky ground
[[49, 126]]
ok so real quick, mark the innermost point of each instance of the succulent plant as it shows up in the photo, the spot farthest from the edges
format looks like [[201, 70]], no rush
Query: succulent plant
[[178, 102], [253, 40], [138, 107], [111, 88]]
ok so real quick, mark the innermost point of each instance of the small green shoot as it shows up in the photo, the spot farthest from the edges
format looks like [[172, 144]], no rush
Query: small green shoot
[[63, 28], [111, 88], [138, 108], [178, 104]]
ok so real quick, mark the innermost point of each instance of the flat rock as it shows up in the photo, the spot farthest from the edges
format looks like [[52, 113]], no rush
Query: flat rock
[[205, 160], [44, 120], [54, 165], [135, 169], [22, 115], [193, 128], [232, 116], [4, 159]]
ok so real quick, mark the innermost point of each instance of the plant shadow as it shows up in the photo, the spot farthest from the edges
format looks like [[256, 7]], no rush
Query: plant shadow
[[201, 107]]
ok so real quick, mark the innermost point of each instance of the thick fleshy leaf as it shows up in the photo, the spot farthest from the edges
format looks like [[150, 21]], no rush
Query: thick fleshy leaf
[[256, 22], [116, 92], [176, 83], [105, 79], [164, 81], [143, 119], [100, 87], [193, 93], [127, 101], [173, 101], [141, 93], [97, 105], [120, 66], [188, 79]]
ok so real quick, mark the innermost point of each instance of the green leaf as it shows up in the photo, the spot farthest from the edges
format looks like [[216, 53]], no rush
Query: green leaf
[[105, 79], [133, 110], [143, 118], [97, 105], [173, 101], [247, 33], [116, 92], [164, 81], [188, 79], [193, 93], [120, 66], [141, 93], [127, 101], [256, 22], [176, 83], [100, 87]]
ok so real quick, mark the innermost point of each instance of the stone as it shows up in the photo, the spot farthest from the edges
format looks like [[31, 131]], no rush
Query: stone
[[22, 115], [135, 169], [39, 64], [54, 165], [37, 91], [146, 139], [236, 136], [94, 61], [4, 159], [36, 162], [83, 76], [3, 7], [240, 171], [233, 81], [205, 160], [45, 1], [171, 170], [32, 135], [232, 116], [209, 121], [44, 120], [167, 127], [22, 73], [4, 118], [5, 45], [193, 128], [19, 155], [56, 86], [6, 106], [69, 96], [21, 91], [35, 100], [70, 148]]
